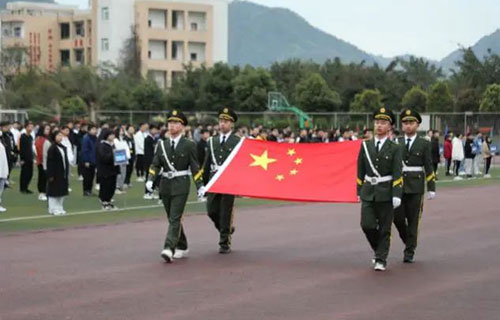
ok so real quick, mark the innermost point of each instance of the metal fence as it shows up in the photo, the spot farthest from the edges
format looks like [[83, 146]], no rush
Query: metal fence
[[452, 121]]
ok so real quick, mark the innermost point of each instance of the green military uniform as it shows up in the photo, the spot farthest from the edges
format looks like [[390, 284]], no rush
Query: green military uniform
[[220, 206], [379, 181], [175, 165], [417, 171]]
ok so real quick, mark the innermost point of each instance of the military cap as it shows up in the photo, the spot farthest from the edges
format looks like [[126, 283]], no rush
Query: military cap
[[177, 116], [384, 114], [410, 115], [228, 114]]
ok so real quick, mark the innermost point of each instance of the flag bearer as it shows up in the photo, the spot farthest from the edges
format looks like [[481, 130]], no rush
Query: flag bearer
[[220, 206], [379, 186], [417, 171], [175, 157]]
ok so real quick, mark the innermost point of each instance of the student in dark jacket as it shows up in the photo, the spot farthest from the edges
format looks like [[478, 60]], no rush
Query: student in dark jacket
[[129, 138], [88, 159], [107, 171], [469, 155], [57, 175], [26, 156], [9, 144], [435, 152], [149, 152]]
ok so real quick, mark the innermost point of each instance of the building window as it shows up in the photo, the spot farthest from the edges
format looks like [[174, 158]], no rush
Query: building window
[[194, 56], [104, 44], [194, 26], [80, 29], [79, 57], [18, 32], [177, 50], [105, 13], [65, 58], [178, 20], [64, 30]]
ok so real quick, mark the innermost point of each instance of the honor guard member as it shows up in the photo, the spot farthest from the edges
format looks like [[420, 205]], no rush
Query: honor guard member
[[220, 206], [379, 186], [175, 160], [417, 170]]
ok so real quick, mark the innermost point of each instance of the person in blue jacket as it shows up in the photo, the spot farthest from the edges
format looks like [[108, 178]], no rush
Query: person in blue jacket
[[89, 159]]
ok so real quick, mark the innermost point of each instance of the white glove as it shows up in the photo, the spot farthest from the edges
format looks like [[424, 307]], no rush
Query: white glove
[[201, 193], [431, 195], [396, 202], [149, 186]]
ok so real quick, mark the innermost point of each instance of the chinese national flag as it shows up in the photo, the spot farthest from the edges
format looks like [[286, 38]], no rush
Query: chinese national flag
[[316, 172]]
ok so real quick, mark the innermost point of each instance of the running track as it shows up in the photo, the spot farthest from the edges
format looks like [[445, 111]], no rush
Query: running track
[[306, 261]]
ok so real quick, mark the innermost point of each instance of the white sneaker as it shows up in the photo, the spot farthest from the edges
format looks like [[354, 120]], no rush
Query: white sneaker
[[179, 254], [458, 178], [80, 178], [487, 176], [379, 266], [70, 190], [42, 197], [167, 255], [156, 196], [97, 187], [2, 209], [118, 191], [148, 196], [140, 179]]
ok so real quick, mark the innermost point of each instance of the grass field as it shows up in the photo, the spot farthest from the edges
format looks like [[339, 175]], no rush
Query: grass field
[[26, 212]]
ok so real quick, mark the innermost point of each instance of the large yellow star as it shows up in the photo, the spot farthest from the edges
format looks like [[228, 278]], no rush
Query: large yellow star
[[262, 160], [291, 152], [298, 161]]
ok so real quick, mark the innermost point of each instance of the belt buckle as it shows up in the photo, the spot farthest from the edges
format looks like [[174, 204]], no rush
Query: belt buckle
[[170, 175], [373, 180]]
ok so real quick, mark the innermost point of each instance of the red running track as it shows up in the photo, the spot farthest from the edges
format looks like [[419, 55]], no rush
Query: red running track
[[289, 262]]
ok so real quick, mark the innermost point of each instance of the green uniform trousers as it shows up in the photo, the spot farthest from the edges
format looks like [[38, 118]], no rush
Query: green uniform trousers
[[174, 207], [406, 220], [376, 222], [220, 210]]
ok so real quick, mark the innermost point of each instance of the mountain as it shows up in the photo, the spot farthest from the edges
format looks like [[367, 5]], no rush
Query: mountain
[[481, 48], [4, 2], [260, 35]]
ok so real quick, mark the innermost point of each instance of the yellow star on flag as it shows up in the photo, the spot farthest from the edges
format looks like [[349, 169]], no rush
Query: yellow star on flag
[[280, 177], [298, 161], [291, 152], [294, 172], [262, 160]]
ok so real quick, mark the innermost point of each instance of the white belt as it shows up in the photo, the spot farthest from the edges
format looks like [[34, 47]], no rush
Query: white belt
[[376, 180], [413, 169], [175, 174], [214, 167]]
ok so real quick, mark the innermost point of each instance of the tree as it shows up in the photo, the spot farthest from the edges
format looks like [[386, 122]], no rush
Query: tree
[[420, 72], [148, 96], [468, 100], [251, 88], [440, 98], [367, 101], [313, 94], [131, 55], [491, 99], [217, 88], [416, 99], [289, 73]]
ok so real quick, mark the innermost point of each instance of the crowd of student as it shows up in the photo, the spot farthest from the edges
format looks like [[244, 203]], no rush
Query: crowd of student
[[55, 149]]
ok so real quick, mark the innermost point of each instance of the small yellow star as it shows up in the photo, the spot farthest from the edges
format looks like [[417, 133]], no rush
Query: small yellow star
[[262, 160], [294, 172], [298, 161], [291, 152], [280, 177]]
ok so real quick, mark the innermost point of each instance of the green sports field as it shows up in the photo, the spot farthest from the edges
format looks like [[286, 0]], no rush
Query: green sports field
[[26, 212]]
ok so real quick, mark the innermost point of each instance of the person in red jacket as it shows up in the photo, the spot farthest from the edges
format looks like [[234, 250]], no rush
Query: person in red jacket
[[41, 139], [448, 148]]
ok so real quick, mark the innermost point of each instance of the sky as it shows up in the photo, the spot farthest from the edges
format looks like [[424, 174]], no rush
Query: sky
[[427, 28]]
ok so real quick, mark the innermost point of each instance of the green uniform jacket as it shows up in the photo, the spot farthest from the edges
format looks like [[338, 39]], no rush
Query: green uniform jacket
[[220, 153], [419, 155], [388, 162], [183, 158]]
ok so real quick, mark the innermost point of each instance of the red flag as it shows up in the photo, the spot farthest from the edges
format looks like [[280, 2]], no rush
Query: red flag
[[316, 172]]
